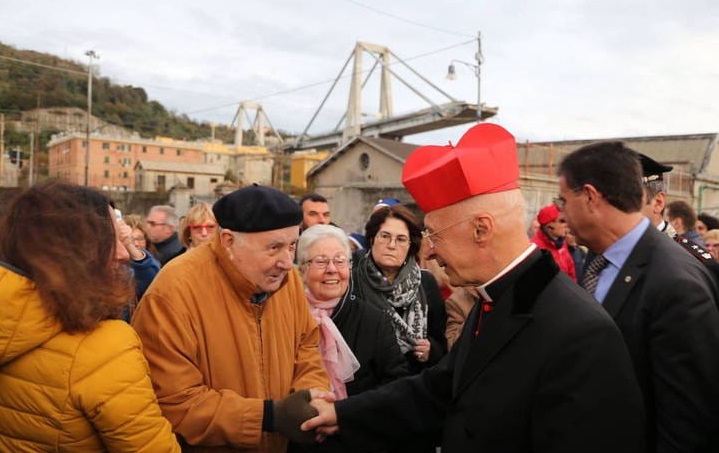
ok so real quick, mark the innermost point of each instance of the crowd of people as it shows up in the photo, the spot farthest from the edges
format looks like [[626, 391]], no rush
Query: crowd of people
[[256, 324]]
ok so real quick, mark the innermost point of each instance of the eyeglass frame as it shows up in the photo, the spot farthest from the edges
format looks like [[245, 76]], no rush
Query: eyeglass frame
[[561, 203], [386, 238], [345, 262], [198, 227], [153, 224], [426, 234]]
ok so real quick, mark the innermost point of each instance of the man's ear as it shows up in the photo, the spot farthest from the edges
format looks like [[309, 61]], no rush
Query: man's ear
[[659, 202], [483, 227], [594, 197], [227, 239]]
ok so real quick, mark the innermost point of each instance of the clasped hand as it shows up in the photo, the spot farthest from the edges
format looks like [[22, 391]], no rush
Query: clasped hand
[[313, 409]]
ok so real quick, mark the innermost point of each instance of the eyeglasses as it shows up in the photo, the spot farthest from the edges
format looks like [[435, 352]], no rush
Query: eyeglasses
[[197, 228], [560, 202], [321, 262], [426, 234], [154, 224], [385, 238]]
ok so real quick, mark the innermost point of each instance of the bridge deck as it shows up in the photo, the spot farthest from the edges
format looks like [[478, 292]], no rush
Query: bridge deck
[[429, 119]]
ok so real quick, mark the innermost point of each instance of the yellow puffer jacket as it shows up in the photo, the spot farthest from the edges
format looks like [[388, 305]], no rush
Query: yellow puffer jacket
[[72, 393]]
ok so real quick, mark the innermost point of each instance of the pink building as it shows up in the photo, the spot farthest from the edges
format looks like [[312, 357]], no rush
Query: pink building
[[112, 159]]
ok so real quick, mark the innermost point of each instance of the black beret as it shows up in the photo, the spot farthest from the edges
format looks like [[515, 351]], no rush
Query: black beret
[[257, 208], [651, 169]]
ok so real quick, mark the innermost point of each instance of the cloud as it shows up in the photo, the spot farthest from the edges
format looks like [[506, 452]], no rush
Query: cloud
[[556, 68]]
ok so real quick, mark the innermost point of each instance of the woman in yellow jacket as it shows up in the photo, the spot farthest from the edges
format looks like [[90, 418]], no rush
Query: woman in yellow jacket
[[72, 378]]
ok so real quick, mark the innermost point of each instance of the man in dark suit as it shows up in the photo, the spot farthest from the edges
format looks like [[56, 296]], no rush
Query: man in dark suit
[[539, 367], [662, 299]]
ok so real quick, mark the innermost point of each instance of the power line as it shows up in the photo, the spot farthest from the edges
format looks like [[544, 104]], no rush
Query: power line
[[84, 74], [402, 19], [258, 98], [32, 63], [323, 82]]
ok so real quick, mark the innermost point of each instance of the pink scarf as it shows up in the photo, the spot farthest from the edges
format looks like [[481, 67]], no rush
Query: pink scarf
[[340, 363]]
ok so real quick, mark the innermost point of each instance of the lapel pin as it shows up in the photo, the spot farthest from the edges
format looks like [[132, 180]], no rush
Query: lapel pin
[[627, 279]]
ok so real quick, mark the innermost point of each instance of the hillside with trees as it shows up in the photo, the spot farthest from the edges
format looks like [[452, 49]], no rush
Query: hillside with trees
[[30, 79]]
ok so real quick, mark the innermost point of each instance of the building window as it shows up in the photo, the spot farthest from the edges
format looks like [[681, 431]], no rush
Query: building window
[[124, 175], [106, 173], [144, 149], [179, 152], [213, 180], [84, 143], [162, 150], [105, 146], [190, 182], [161, 183], [107, 159], [364, 161]]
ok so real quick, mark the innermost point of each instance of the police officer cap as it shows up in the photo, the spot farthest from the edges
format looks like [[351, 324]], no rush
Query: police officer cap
[[651, 169], [256, 208]]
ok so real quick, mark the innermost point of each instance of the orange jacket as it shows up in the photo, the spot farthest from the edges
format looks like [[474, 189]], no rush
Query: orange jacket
[[85, 392], [215, 356]]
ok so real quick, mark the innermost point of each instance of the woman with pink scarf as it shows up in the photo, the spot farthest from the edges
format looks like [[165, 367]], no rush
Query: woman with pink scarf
[[358, 343]]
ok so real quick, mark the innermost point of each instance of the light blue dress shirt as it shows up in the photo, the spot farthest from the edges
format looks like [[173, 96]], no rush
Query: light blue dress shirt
[[617, 255]]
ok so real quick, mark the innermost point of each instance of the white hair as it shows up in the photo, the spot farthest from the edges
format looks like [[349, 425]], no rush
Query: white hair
[[318, 232]]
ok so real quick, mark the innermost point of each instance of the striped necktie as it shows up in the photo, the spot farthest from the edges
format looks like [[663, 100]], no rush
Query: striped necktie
[[591, 274]]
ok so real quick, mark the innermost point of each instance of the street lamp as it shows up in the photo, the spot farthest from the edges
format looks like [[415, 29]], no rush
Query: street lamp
[[91, 54], [452, 72]]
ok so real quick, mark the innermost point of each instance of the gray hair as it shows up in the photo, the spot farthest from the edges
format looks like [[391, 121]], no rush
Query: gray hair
[[170, 214], [318, 232]]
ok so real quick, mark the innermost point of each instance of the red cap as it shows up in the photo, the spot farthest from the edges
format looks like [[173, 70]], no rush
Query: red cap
[[548, 214], [484, 161]]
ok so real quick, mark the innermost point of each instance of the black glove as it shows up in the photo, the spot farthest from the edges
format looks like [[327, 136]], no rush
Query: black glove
[[291, 412]]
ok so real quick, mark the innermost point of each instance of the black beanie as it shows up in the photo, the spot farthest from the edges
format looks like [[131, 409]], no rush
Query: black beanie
[[256, 208]]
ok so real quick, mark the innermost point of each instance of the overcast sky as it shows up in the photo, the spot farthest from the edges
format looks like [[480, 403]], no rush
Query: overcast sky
[[557, 69]]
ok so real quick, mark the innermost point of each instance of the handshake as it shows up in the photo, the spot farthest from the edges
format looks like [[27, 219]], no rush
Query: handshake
[[312, 410]]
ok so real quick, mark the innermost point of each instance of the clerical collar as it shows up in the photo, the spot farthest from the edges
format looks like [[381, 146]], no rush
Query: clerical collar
[[519, 259]]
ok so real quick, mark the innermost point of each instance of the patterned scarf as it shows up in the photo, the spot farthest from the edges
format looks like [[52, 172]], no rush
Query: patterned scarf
[[403, 295], [339, 361]]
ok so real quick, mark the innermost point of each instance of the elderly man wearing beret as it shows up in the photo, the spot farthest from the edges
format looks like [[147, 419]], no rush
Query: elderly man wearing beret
[[539, 366], [232, 346]]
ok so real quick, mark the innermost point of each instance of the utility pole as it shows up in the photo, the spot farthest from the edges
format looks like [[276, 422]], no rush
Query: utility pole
[[452, 73], [32, 156], [478, 56], [91, 54], [2, 149]]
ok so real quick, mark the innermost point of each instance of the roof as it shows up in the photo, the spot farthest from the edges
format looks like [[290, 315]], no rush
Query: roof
[[180, 167], [691, 151], [396, 150]]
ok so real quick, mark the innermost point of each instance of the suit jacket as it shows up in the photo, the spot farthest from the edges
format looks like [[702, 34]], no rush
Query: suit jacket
[[664, 302], [549, 372]]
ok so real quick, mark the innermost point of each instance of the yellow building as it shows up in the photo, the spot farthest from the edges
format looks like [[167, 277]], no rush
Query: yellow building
[[301, 164]]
